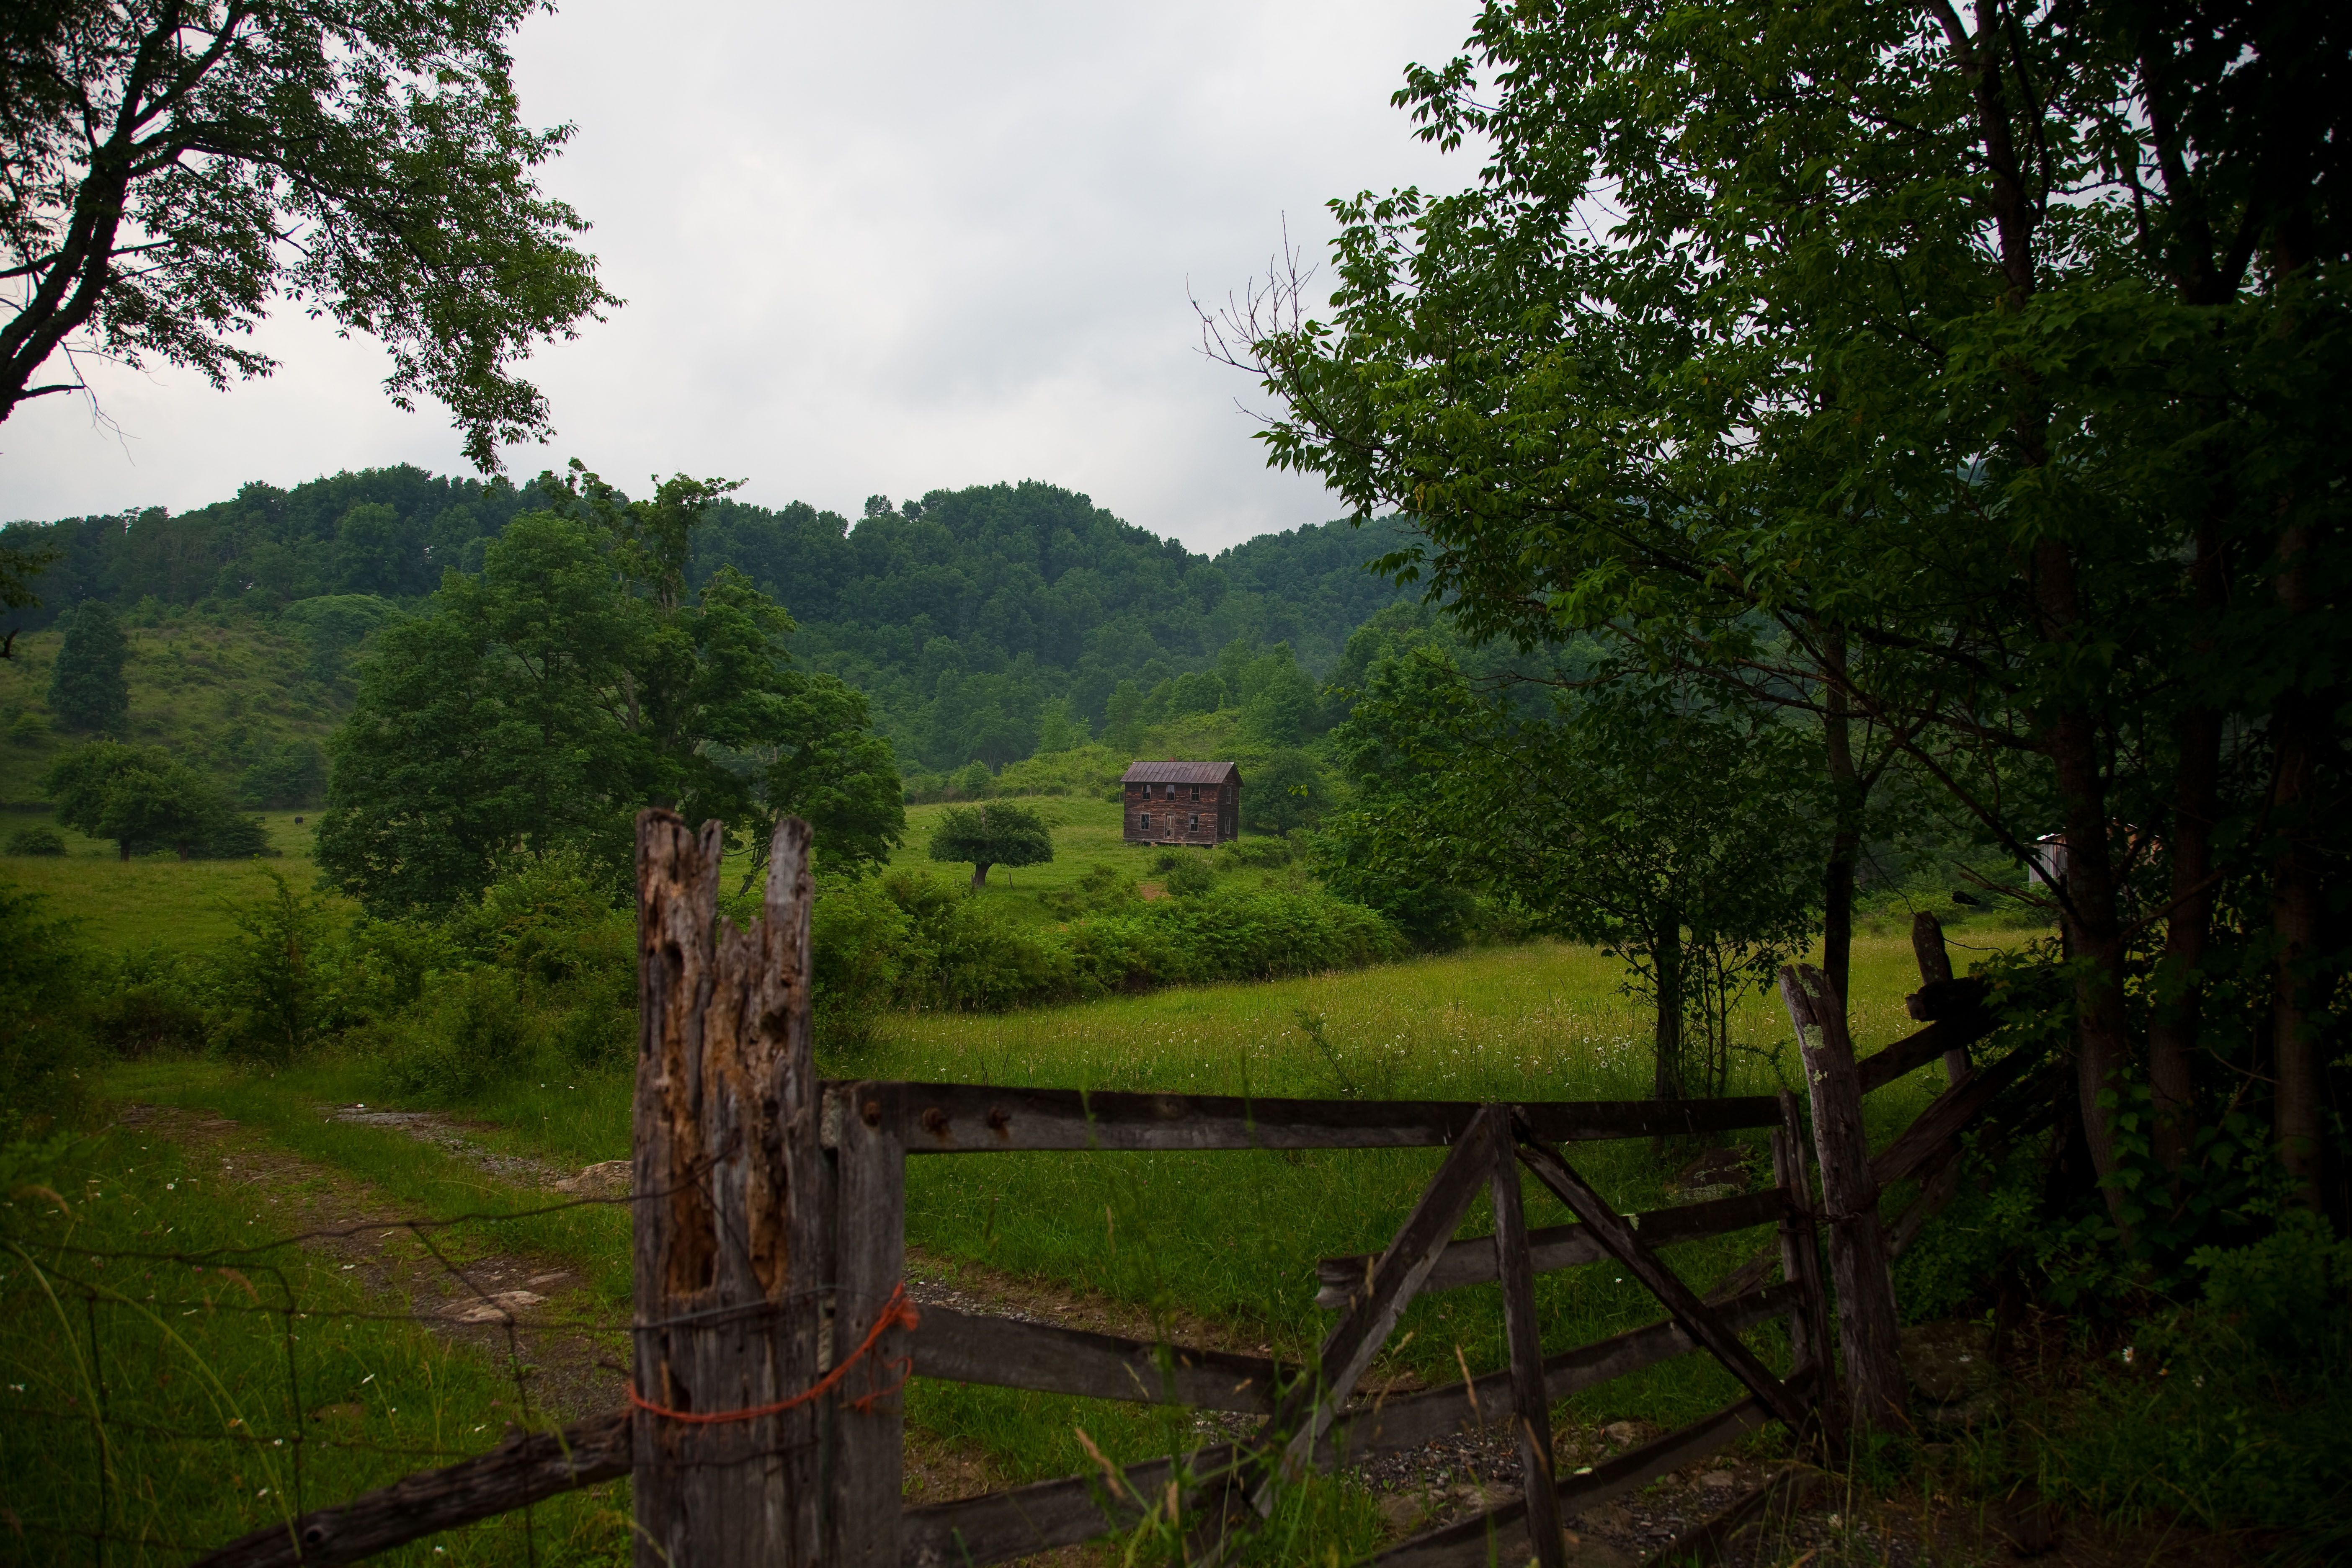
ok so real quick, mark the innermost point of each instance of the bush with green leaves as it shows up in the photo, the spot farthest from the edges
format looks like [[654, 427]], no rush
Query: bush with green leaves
[[47, 1063], [948, 948], [471, 1028], [268, 981], [42, 841], [1189, 876]]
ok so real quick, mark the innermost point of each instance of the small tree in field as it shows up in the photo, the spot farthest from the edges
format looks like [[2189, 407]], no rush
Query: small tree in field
[[996, 834]]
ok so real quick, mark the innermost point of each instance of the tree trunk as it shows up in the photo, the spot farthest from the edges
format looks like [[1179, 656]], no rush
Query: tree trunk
[[1667, 953], [122, 847], [2176, 1021], [1845, 838], [2088, 894], [2295, 911], [979, 874], [2173, 1029]]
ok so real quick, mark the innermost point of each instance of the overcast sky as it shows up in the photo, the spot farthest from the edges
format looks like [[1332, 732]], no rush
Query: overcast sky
[[877, 248]]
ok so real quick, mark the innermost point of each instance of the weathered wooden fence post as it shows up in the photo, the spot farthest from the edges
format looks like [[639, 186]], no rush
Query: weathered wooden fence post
[[869, 1435], [1800, 1262], [730, 1232], [1936, 968], [1858, 1257]]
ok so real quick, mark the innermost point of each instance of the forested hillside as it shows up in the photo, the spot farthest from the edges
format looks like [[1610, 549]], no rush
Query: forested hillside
[[974, 618]]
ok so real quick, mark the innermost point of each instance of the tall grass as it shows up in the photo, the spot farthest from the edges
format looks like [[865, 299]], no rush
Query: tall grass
[[164, 1388]]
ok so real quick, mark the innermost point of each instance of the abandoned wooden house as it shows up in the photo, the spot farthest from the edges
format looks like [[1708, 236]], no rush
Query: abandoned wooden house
[[1182, 803]]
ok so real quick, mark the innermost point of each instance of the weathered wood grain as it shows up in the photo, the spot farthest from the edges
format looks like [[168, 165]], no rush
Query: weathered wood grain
[[1471, 1261], [1306, 1410], [1946, 1116], [1500, 1535], [1627, 1247], [970, 1348], [1531, 1405], [1046, 1515], [1935, 997], [728, 1240], [509, 1477], [1022, 1521], [960, 1118], [1399, 1422], [1858, 1262], [1941, 1038], [867, 1414]]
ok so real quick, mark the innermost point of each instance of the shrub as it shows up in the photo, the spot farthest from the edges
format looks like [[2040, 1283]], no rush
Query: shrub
[[858, 942], [30, 727], [270, 979], [471, 1029], [153, 1005], [1191, 877], [1098, 889], [1265, 853], [45, 1060], [37, 841], [598, 1037], [2234, 1410]]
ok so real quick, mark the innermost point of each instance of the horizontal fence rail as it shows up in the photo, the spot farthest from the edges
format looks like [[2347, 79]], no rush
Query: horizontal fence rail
[[967, 1118]]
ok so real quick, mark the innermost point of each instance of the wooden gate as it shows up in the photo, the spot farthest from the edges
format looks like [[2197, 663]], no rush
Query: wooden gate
[[1307, 1417]]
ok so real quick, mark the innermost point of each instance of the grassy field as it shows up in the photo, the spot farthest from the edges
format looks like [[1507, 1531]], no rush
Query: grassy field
[[156, 901], [235, 1395]]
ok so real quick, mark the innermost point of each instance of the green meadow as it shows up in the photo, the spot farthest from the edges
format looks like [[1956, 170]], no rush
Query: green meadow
[[1232, 1238]]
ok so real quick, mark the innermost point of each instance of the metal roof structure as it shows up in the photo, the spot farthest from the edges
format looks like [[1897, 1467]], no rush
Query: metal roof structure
[[1181, 772]]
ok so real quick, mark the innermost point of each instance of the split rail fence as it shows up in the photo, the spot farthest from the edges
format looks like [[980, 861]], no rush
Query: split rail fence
[[773, 1335]]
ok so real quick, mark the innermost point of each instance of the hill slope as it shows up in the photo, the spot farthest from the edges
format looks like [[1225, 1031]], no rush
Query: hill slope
[[965, 615]]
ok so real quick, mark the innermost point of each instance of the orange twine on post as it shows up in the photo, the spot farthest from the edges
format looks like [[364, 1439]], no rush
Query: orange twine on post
[[897, 1312]]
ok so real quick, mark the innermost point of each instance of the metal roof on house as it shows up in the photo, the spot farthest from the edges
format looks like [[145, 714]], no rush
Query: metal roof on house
[[1181, 772]]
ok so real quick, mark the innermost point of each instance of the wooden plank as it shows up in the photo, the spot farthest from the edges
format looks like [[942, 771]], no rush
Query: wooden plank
[[1858, 1262], [967, 1348], [1046, 1515], [1399, 1422], [1307, 1408], [1909, 1054], [1500, 1535], [867, 1413], [1471, 1261], [1946, 1116], [1022, 1521], [728, 1242], [1531, 1405], [963, 1118], [514, 1475], [1283, 1447], [1626, 1245], [1936, 996]]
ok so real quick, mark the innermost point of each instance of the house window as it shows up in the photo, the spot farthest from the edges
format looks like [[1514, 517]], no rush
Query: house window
[[1195, 827], [1143, 822]]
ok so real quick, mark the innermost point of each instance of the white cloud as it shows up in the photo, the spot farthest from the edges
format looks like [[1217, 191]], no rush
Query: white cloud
[[879, 248]]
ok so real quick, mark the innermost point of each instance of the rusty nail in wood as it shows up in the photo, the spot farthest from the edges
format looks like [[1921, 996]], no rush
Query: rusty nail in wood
[[999, 1119], [935, 1122], [873, 1113]]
